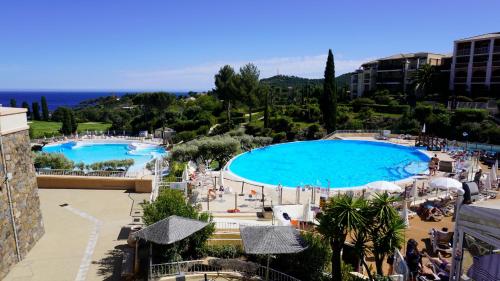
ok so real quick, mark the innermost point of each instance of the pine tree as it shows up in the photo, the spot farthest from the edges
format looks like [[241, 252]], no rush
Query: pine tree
[[13, 103], [45, 109], [36, 110], [27, 106], [328, 102]]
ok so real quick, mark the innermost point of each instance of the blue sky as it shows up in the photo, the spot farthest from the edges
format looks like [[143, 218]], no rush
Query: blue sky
[[179, 45]]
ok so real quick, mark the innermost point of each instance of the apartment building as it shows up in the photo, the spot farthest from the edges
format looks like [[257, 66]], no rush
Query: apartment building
[[395, 73], [475, 69]]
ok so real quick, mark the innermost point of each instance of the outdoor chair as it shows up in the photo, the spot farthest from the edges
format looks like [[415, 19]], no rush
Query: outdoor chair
[[440, 240]]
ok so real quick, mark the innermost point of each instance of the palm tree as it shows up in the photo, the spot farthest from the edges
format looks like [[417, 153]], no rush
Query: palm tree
[[342, 215], [385, 228], [424, 79]]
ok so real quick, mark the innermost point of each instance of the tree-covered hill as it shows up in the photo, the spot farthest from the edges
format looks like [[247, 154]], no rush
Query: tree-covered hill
[[285, 81]]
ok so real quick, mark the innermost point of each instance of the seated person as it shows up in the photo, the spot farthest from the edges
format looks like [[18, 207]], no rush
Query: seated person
[[441, 265], [286, 216]]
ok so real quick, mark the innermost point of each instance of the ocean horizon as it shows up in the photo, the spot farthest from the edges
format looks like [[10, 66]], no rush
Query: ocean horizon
[[60, 98]]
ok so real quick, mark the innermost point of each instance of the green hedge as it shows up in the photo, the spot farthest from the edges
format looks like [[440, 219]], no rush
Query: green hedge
[[382, 108], [222, 251], [394, 109]]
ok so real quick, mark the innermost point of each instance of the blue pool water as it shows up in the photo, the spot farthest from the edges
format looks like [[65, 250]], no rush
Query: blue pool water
[[89, 153], [343, 163]]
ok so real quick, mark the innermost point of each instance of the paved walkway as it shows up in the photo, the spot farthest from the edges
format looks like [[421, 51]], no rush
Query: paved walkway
[[82, 240]]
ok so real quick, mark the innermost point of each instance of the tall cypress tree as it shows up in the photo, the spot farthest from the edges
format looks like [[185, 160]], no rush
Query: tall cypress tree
[[74, 125], [328, 102], [27, 106], [66, 127], [266, 107], [13, 103], [36, 110], [45, 109]]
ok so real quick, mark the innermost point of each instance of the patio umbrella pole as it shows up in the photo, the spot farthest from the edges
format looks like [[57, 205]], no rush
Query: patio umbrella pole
[[242, 185], [267, 268]]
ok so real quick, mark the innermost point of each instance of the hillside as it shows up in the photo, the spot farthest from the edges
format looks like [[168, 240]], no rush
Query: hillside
[[284, 81]]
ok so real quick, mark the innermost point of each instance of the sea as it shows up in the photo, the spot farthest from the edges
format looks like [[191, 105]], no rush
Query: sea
[[56, 99]]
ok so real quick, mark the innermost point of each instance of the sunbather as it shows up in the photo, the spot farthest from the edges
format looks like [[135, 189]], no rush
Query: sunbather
[[440, 266]]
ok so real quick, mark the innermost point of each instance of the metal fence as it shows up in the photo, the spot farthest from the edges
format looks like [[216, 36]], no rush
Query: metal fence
[[63, 172], [354, 132], [200, 266]]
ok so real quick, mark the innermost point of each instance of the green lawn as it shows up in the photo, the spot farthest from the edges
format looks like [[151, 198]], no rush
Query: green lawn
[[48, 129]]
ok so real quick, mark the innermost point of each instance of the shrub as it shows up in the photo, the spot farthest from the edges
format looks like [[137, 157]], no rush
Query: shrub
[[253, 129], [353, 124], [360, 102], [308, 264], [172, 202], [184, 136], [279, 137], [312, 131], [223, 251], [206, 149], [463, 98], [52, 161], [175, 171], [222, 128], [281, 124], [112, 164], [203, 130], [469, 115], [481, 99], [382, 99], [422, 112], [248, 142]]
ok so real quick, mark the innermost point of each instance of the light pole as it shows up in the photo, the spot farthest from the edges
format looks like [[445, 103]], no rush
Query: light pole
[[465, 134]]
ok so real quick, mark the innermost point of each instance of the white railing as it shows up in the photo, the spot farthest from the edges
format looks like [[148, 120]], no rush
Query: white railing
[[63, 172], [156, 181], [217, 265], [228, 225], [463, 52]]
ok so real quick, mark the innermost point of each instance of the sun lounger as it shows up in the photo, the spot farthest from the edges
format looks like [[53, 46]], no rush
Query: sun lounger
[[440, 240]]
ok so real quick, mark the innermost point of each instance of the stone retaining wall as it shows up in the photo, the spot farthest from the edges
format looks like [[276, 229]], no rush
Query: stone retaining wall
[[25, 201]]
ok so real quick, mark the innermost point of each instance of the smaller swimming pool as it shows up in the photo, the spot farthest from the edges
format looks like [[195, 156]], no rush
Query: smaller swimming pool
[[92, 152]]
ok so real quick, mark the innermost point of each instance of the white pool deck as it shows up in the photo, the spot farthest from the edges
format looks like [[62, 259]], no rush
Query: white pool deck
[[81, 241]]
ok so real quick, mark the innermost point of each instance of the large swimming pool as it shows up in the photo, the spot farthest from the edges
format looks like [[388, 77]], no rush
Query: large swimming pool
[[92, 152], [329, 163]]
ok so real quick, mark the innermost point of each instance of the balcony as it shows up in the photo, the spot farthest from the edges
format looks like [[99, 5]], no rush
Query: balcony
[[482, 50], [479, 64], [460, 79], [495, 63], [495, 79], [463, 52], [478, 79], [461, 65], [496, 49]]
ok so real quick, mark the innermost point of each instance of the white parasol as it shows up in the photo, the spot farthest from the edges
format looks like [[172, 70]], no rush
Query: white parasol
[[446, 184], [384, 186]]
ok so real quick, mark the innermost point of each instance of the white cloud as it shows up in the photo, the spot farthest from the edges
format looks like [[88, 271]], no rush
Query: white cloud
[[201, 76]]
